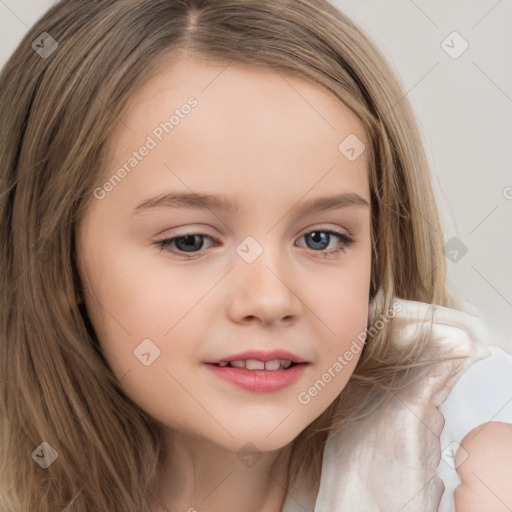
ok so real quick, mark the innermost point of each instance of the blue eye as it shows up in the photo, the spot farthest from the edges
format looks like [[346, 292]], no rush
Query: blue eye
[[322, 237], [192, 243], [186, 243]]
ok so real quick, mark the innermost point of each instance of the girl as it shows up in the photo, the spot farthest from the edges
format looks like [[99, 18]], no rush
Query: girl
[[305, 353]]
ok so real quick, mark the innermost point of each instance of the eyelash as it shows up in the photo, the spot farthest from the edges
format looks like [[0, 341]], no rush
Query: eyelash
[[345, 242]]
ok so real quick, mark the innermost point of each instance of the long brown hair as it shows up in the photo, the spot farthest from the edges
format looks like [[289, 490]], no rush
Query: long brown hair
[[57, 108]]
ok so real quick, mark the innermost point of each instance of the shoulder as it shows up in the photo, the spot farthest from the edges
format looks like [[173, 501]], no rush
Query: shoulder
[[484, 465], [478, 417]]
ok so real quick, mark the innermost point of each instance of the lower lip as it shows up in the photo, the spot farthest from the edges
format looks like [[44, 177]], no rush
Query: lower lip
[[259, 380]]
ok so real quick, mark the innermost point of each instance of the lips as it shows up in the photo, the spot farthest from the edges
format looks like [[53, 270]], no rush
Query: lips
[[258, 380], [259, 371]]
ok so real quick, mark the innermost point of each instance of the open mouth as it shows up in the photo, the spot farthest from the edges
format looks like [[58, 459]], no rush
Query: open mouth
[[256, 375], [253, 364]]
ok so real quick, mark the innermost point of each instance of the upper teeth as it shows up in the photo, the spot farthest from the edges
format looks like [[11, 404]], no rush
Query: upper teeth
[[254, 364]]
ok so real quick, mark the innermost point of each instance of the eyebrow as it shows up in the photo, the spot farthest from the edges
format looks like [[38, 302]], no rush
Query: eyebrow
[[226, 204]]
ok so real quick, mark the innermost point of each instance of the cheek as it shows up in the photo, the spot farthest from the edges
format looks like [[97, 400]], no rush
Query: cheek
[[133, 299], [338, 299], [339, 310], [338, 359], [141, 319]]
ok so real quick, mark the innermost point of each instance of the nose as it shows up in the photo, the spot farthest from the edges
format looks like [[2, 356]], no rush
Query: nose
[[264, 292]]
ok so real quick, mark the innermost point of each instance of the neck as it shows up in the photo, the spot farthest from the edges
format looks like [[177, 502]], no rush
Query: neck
[[199, 475]]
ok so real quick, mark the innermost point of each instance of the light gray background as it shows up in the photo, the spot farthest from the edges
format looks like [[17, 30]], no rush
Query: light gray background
[[464, 109]]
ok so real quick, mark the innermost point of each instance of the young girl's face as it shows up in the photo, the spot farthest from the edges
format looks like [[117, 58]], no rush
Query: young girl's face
[[225, 163]]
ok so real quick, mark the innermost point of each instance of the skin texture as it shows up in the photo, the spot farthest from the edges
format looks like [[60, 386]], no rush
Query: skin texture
[[269, 141], [484, 465]]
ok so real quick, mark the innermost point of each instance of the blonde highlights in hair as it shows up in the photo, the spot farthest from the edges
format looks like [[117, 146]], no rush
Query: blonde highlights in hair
[[56, 114]]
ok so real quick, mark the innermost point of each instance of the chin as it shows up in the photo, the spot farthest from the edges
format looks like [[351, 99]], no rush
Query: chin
[[258, 440]]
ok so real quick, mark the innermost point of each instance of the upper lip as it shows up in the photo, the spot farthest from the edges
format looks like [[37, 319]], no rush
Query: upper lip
[[261, 355]]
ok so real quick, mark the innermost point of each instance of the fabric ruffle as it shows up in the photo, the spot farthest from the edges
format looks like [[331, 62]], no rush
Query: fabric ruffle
[[387, 461]]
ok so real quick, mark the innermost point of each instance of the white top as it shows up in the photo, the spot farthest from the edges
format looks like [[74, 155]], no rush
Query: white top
[[482, 394], [401, 457]]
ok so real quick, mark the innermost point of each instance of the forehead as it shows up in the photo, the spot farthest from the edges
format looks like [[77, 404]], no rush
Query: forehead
[[250, 128]]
